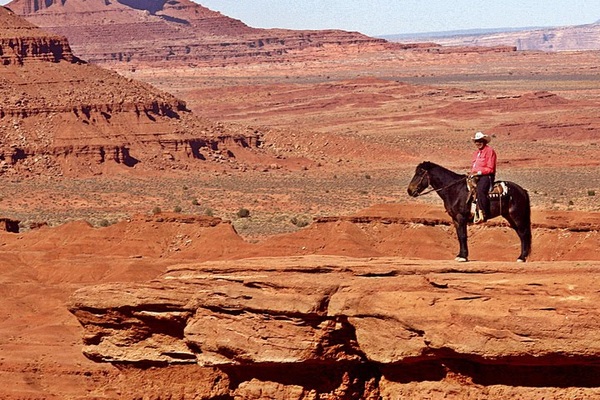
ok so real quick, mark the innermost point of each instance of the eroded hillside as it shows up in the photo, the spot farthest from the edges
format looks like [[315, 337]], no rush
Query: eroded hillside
[[60, 115]]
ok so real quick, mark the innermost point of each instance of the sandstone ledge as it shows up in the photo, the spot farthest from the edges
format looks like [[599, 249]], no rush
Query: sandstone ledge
[[379, 320]]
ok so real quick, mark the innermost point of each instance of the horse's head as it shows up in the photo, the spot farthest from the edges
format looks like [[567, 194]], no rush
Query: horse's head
[[420, 180]]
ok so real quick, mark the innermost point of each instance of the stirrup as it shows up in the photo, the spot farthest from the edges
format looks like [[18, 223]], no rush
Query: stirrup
[[479, 217]]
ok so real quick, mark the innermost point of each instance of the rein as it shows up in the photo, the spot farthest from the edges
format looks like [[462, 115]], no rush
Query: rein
[[440, 189]]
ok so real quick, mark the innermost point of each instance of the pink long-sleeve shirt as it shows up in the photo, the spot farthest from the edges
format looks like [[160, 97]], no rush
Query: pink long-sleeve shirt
[[484, 161]]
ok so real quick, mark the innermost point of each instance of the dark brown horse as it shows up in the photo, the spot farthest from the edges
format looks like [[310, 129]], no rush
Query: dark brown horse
[[452, 188]]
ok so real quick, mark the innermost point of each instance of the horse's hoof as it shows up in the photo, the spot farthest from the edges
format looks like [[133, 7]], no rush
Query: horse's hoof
[[520, 260], [461, 259]]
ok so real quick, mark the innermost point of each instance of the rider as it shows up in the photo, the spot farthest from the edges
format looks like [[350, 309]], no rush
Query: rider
[[484, 168]]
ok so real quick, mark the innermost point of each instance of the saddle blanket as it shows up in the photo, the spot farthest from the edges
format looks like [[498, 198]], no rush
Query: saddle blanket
[[500, 189]]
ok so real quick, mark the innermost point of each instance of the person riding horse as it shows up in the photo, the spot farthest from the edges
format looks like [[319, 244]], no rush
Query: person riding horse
[[514, 205], [483, 171]]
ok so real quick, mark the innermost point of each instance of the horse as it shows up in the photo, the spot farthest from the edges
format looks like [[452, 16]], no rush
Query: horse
[[452, 188]]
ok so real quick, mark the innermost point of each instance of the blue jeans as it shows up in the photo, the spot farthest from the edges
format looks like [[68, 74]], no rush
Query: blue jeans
[[484, 185]]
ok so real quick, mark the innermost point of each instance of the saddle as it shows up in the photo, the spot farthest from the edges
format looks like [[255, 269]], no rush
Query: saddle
[[499, 190]]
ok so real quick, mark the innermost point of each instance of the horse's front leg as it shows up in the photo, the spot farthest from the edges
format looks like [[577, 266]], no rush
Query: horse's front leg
[[460, 224]]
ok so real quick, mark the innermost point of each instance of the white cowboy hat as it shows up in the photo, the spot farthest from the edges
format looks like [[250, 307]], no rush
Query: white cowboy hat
[[481, 136]]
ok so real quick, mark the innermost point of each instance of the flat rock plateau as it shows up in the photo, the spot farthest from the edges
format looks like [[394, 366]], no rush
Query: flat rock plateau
[[193, 208]]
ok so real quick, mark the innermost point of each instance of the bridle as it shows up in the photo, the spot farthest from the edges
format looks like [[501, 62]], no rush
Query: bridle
[[426, 173]]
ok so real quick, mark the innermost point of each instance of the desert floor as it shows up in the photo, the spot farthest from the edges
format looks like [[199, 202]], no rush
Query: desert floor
[[341, 138]]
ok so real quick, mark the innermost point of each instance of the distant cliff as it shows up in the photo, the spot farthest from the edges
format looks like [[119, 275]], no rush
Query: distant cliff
[[176, 31], [567, 38]]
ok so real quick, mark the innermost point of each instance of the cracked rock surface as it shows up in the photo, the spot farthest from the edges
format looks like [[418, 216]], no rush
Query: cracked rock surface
[[371, 320]]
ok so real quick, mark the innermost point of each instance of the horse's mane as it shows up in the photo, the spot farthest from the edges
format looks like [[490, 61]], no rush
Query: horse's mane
[[433, 167]]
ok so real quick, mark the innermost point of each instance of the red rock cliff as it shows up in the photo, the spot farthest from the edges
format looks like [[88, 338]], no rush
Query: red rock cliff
[[175, 31], [61, 115], [354, 328], [21, 41]]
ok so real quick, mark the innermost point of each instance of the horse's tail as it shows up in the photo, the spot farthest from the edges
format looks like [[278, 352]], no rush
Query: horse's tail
[[527, 221], [520, 216]]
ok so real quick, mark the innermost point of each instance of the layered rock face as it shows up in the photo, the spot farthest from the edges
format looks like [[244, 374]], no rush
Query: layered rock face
[[60, 115], [20, 40], [176, 31], [568, 38], [304, 327]]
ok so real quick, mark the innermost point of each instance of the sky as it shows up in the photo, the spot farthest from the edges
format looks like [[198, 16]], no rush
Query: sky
[[388, 17]]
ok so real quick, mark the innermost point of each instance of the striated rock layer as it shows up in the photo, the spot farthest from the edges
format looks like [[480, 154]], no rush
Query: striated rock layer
[[354, 328], [180, 31], [61, 115], [565, 38], [20, 40]]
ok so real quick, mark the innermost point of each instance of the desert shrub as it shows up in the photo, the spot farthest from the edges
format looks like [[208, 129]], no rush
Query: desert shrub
[[243, 213], [104, 223], [367, 176], [210, 212], [591, 192], [156, 210], [195, 202], [300, 221], [177, 209]]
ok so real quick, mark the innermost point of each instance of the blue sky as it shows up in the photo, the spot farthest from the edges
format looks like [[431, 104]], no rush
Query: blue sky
[[384, 17]]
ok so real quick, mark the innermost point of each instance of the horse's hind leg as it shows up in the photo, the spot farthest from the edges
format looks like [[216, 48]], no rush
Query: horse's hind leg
[[523, 229], [524, 233]]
